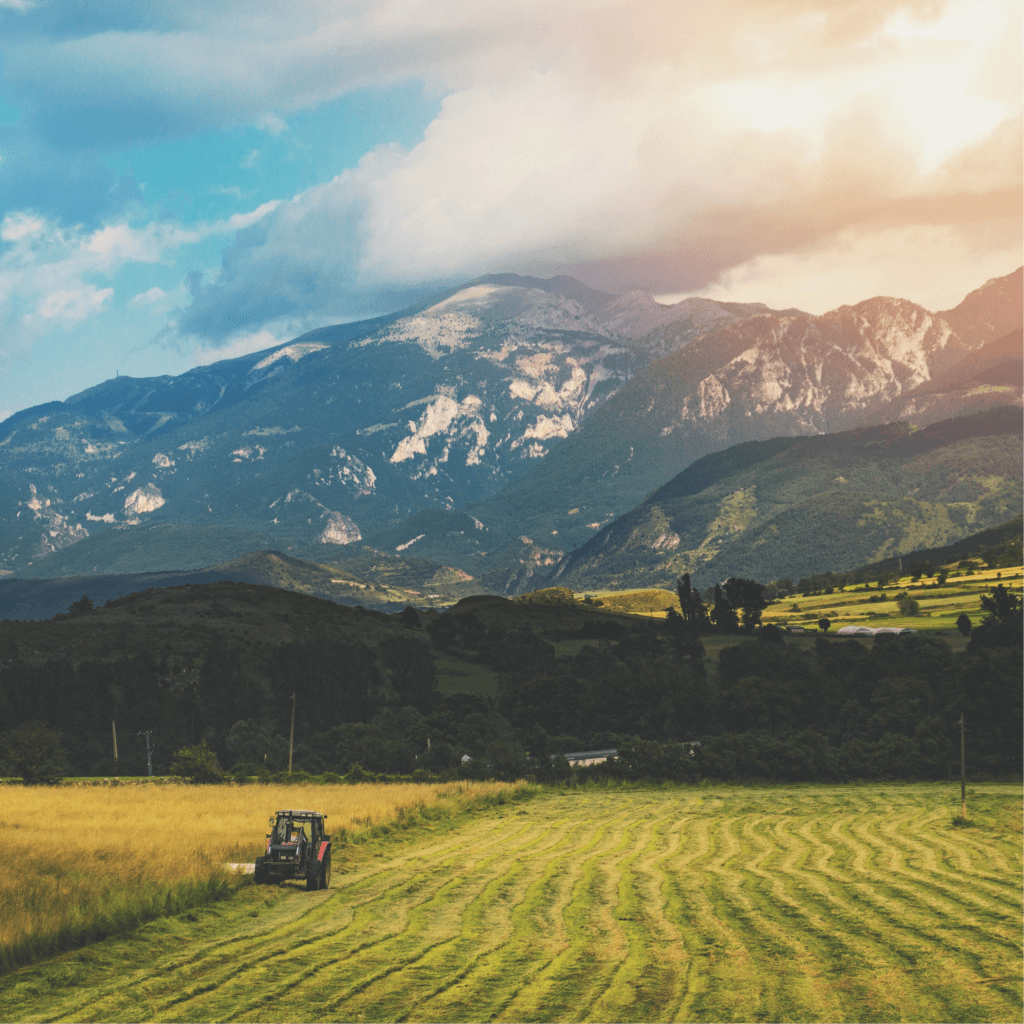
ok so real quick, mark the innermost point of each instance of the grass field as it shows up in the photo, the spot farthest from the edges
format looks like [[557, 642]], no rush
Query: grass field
[[940, 606], [713, 904], [82, 863], [457, 676]]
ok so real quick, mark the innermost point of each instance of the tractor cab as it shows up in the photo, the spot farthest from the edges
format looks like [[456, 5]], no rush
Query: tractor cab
[[288, 832]]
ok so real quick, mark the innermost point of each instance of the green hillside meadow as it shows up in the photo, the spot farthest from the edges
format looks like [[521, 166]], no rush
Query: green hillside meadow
[[811, 903]]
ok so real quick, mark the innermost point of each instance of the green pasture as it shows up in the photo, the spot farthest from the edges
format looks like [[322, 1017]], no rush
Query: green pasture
[[718, 903], [652, 602], [457, 676], [940, 606]]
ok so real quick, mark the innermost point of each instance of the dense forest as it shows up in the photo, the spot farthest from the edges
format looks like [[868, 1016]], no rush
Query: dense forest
[[363, 686]]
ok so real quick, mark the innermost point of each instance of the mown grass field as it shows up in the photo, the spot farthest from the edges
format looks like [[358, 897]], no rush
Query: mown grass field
[[81, 863], [856, 903]]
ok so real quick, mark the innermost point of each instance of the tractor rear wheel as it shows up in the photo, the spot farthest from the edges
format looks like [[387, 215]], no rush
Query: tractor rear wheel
[[313, 876]]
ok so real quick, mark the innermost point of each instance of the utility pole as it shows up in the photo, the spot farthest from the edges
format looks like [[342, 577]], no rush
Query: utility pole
[[291, 739], [113, 725], [963, 776], [149, 749]]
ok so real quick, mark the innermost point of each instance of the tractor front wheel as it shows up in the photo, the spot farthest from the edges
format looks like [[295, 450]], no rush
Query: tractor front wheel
[[260, 874], [325, 873]]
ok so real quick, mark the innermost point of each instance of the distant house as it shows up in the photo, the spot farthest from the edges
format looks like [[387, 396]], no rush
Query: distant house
[[585, 757]]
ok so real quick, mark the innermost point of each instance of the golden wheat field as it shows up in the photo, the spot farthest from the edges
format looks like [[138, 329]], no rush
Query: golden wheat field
[[84, 862]]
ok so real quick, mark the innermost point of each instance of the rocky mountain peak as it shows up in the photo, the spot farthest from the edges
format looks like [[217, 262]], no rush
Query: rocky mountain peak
[[989, 312]]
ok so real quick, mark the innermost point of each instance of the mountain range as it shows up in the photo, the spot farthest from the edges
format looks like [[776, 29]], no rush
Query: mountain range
[[764, 376], [493, 430]]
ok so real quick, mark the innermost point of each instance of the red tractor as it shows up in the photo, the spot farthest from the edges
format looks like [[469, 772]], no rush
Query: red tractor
[[297, 847]]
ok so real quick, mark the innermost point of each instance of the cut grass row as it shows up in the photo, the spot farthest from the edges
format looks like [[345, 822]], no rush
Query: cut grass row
[[795, 903], [82, 864]]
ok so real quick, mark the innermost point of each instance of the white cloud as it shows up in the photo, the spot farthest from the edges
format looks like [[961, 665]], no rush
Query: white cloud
[[73, 304], [255, 342], [54, 276], [932, 265], [663, 146], [271, 123], [237, 221], [149, 297], [647, 145], [20, 225]]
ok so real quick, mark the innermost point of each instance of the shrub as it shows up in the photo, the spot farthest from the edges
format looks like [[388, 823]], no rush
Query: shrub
[[410, 618], [197, 764], [357, 773], [35, 753]]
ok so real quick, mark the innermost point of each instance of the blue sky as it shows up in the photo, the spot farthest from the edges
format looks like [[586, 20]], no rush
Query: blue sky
[[179, 183]]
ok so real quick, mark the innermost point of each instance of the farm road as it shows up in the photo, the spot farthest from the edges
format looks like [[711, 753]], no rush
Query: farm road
[[809, 903]]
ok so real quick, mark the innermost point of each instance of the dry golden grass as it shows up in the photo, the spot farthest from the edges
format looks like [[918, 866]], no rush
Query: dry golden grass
[[83, 862]]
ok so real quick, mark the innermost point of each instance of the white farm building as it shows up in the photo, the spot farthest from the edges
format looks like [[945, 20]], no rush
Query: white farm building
[[869, 631]]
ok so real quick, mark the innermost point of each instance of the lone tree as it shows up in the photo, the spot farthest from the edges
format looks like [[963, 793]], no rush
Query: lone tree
[[824, 625], [963, 624], [35, 753]]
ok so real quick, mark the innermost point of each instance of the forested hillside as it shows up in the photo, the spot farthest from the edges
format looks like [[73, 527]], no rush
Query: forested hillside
[[219, 664], [796, 506]]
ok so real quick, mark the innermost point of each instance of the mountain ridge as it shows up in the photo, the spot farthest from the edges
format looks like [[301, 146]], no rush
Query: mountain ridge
[[515, 404]]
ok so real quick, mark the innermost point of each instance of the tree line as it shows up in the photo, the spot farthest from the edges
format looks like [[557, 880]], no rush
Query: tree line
[[834, 710]]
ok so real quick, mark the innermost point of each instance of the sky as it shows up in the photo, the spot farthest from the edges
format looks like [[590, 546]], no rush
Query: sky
[[182, 182]]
